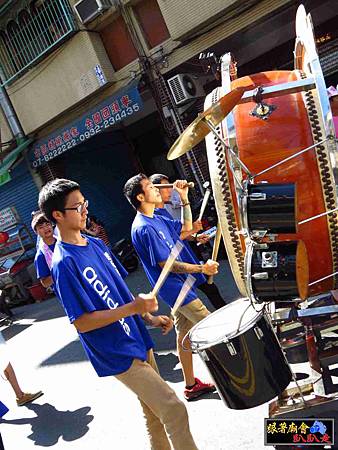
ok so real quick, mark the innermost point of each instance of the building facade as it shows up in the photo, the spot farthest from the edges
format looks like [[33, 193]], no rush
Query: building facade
[[89, 84]]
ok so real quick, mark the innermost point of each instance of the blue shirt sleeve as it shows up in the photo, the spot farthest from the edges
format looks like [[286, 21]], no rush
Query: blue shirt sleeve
[[70, 291], [41, 266]]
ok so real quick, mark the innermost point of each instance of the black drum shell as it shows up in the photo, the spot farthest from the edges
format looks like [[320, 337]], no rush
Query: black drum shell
[[277, 212], [256, 374], [281, 284]]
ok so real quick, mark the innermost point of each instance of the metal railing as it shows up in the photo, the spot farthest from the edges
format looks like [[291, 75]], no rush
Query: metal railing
[[37, 29]]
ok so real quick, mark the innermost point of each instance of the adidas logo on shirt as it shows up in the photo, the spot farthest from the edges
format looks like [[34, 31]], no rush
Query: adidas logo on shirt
[[103, 291]]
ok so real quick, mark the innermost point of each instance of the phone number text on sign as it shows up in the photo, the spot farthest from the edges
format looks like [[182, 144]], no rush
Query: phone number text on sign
[[92, 124]]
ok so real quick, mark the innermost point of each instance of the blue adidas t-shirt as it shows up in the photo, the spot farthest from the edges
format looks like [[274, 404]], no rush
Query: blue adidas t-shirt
[[187, 254], [86, 279], [41, 266], [153, 239]]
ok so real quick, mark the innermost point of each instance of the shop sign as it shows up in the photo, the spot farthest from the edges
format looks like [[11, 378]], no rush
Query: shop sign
[[8, 218], [105, 115]]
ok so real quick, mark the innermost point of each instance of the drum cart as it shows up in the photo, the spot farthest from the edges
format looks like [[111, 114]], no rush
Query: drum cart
[[315, 396]]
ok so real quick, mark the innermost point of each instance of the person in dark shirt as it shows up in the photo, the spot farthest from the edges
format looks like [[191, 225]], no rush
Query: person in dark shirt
[[88, 282], [96, 228], [333, 97]]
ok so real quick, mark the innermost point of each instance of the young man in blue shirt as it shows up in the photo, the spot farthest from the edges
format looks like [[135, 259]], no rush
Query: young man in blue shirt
[[45, 248], [107, 317], [153, 237], [210, 290]]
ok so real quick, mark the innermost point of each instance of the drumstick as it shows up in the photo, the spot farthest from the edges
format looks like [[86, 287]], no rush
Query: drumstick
[[204, 203], [215, 249], [175, 251], [190, 184], [187, 285]]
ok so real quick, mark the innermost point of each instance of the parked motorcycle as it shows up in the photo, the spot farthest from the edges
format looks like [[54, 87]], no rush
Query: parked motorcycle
[[126, 254]]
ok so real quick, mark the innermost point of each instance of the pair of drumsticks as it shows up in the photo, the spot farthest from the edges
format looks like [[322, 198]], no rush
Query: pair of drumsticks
[[187, 285]]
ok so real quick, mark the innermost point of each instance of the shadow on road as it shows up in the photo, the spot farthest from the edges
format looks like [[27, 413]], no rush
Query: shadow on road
[[72, 352], [13, 330], [39, 312], [210, 396], [166, 365], [50, 425]]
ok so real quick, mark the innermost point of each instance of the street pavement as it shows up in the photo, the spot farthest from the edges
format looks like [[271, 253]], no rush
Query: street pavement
[[83, 412]]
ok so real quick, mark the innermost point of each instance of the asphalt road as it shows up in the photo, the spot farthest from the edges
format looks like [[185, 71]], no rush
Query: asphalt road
[[81, 411]]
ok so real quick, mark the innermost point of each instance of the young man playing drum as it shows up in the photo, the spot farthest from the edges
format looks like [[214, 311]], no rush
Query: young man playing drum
[[107, 317], [210, 290], [153, 237]]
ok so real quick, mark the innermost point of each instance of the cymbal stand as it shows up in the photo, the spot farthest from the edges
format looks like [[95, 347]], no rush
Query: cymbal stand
[[212, 128]]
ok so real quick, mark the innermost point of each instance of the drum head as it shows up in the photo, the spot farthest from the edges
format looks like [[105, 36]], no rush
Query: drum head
[[224, 324]]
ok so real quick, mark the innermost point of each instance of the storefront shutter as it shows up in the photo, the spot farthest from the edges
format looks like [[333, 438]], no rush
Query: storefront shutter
[[101, 166], [20, 192], [329, 57]]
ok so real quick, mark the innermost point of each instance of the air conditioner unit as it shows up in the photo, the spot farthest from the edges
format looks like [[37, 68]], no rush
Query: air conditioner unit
[[185, 87], [87, 10]]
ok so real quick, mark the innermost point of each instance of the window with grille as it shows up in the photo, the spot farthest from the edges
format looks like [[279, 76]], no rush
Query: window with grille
[[35, 31]]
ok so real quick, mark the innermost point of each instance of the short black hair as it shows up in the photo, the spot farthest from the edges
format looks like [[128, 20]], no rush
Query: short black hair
[[156, 178], [53, 196], [133, 188]]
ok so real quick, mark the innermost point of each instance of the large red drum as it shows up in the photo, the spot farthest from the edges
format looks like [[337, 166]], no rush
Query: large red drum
[[295, 123]]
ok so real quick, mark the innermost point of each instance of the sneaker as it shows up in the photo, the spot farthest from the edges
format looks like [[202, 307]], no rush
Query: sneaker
[[26, 398], [198, 389]]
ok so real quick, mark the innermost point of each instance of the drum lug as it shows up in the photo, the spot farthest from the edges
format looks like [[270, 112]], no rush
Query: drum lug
[[260, 276], [257, 196], [258, 234], [261, 246], [269, 259], [203, 354], [231, 348], [258, 332]]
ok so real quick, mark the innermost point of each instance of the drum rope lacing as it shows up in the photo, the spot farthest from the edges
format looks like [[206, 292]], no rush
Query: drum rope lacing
[[328, 193], [226, 195]]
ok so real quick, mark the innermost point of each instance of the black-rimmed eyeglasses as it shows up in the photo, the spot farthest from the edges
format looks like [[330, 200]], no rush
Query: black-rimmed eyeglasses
[[79, 208]]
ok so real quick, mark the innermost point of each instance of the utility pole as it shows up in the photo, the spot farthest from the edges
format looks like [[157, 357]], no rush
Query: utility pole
[[166, 107]]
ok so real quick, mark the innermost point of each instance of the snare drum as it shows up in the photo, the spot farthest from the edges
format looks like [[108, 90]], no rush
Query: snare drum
[[242, 353], [277, 271]]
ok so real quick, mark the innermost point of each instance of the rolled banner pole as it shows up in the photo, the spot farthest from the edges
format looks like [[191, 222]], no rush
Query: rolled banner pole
[[215, 249], [204, 203]]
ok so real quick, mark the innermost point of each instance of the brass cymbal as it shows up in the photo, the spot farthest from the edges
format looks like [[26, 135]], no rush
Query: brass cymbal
[[198, 129]]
